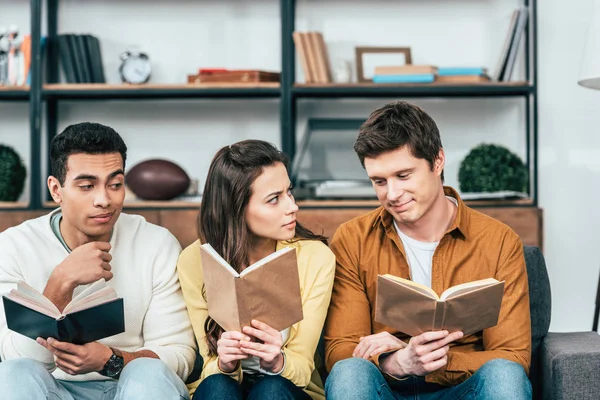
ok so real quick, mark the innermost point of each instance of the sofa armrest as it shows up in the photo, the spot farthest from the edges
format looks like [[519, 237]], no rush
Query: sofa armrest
[[571, 365]]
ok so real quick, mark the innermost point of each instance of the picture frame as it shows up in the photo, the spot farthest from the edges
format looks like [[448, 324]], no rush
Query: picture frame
[[367, 58]]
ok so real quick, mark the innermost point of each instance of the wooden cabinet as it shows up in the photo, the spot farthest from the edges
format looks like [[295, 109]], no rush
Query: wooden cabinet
[[527, 222]]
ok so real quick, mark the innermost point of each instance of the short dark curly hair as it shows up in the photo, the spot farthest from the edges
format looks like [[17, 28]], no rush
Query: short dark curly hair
[[86, 138], [396, 125]]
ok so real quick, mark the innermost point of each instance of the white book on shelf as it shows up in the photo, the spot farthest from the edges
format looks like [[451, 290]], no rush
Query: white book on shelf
[[514, 46], [501, 65]]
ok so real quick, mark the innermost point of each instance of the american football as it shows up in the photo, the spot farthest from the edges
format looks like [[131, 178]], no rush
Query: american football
[[157, 179]]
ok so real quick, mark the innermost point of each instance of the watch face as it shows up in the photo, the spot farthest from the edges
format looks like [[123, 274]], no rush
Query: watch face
[[115, 367], [135, 69]]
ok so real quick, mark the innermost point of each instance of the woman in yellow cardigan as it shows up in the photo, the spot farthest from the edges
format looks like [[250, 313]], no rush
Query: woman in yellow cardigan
[[247, 213]]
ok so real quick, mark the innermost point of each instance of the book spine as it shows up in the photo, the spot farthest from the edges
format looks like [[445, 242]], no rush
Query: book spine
[[243, 314], [408, 78], [406, 69], [438, 315], [453, 71]]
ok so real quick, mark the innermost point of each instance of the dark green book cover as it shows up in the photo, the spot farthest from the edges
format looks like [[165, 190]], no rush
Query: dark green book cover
[[79, 327]]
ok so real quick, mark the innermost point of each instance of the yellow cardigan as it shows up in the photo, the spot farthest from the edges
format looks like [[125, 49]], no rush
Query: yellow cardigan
[[316, 269]]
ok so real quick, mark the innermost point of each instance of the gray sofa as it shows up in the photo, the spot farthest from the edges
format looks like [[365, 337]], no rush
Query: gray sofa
[[564, 365]]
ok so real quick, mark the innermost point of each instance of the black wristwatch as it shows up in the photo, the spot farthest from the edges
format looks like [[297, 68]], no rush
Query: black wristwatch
[[114, 365]]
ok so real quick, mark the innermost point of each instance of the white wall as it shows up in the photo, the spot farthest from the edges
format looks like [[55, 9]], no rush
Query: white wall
[[569, 164], [184, 35]]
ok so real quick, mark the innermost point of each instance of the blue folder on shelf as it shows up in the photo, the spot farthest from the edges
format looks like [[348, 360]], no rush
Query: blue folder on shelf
[[406, 78], [453, 71]]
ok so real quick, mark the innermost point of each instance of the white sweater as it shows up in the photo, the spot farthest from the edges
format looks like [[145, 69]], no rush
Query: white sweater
[[144, 258]]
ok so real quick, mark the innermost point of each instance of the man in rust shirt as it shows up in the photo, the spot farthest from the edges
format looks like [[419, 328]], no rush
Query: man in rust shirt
[[423, 231]]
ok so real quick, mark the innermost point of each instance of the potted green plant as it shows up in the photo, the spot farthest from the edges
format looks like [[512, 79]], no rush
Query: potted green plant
[[492, 168], [12, 174]]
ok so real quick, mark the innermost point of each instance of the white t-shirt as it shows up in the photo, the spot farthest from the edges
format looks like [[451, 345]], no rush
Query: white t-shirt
[[419, 254]]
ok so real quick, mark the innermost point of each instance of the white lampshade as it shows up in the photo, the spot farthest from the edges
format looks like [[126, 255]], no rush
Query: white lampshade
[[589, 76]]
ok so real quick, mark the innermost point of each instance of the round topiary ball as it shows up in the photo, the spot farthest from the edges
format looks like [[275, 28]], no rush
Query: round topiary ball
[[12, 174], [492, 168]]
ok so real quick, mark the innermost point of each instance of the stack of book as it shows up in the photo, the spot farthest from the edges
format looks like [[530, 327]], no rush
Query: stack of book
[[405, 74], [81, 58], [312, 52], [429, 74]]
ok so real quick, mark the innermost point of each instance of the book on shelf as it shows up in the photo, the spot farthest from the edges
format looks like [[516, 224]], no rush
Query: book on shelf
[[234, 76], [81, 58], [314, 59], [466, 79], [508, 54], [408, 69], [95, 313], [268, 290], [413, 308], [461, 71], [428, 74], [404, 78]]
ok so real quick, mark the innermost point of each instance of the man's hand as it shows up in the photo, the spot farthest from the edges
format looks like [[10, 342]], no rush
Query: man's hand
[[229, 352], [86, 264], [75, 359], [424, 354], [381, 342], [267, 348]]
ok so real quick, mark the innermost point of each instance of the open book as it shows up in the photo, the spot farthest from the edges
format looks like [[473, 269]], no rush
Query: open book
[[268, 290], [93, 314], [413, 308]]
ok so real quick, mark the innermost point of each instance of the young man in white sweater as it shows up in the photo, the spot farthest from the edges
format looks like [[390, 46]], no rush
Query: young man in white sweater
[[85, 240]]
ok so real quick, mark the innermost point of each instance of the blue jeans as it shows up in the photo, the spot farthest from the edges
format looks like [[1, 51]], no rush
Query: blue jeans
[[142, 378], [223, 387], [356, 378]]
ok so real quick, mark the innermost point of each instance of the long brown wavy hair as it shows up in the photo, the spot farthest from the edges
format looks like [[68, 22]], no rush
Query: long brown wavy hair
[[221, 221]]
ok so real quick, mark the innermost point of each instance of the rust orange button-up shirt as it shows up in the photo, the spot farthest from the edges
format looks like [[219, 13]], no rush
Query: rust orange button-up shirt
[[474, 247]]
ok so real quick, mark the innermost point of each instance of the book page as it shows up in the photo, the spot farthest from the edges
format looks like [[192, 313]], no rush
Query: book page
[[265, 260], [466, 288], [29, 297], [97, 293], [92, 288], [412, 285], [213, 253]]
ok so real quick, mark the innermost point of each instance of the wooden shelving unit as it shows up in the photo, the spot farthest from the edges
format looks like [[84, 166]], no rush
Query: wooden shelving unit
[[488, 89], [145, 204], [303, 204], [44, 97], [9, 205], [375, 203], [14, 93], [90, 91]]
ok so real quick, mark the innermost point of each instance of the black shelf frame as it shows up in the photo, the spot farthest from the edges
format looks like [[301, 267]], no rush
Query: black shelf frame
[[527, 92], [47, 99], [14, 95], [412, 91], [157, 93]]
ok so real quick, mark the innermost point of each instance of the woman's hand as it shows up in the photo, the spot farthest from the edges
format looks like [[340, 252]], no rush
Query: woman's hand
[[267, 347], [229, 350]]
